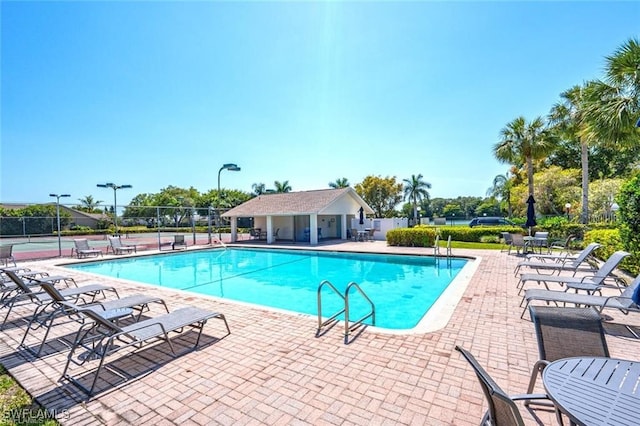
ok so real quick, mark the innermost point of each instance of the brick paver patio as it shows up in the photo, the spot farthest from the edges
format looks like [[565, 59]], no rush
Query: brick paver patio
[[273, 370]]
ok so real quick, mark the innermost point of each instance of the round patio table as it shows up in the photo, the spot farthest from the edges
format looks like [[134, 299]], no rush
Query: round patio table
[[595, 390]]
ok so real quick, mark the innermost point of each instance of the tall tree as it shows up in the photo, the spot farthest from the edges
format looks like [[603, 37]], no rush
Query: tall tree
[[614, 103], [569, 122], [501, 189], [416, 189], [339, 183], [282, 186], [88, 203], [521, 143], [382, 194], [258, 188]]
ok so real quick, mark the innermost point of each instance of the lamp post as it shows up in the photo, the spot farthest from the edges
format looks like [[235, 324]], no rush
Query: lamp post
[[115, 202], [418, 212], [567, 208], [614, 210], [232, 168], [58, 217]]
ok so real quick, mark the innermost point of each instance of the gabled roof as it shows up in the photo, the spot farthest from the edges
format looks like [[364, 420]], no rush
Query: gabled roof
[[296, 203]]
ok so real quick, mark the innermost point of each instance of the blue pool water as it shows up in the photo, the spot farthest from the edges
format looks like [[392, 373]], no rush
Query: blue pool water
[[403, 288]]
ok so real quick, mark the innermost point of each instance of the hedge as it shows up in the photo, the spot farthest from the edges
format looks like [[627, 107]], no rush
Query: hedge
[[425, 235], [419, 236], [611, 242]]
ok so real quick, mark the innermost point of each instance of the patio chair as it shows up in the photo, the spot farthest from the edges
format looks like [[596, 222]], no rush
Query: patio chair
[[588, 283], [370, 234], [8, 287], [582, 262], [517, 242], [100, 338], [25, 293], [628, 301], [558, 249], [506, 237], [502, 407], [563, 333], [354, 234], [83, 249], [59, 306], [178, 241], [6, 255], [118, 248]]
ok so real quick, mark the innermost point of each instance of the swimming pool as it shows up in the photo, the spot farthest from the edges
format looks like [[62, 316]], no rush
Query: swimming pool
[[403, 288]]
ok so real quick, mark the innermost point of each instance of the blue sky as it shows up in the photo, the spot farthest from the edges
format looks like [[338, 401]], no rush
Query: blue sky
[[153, 94]]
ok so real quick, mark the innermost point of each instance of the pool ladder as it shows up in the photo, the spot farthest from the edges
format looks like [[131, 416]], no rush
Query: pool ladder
[[348, 325]]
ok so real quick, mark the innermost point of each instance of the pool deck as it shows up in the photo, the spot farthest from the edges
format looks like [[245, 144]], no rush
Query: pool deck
[[273, 370]]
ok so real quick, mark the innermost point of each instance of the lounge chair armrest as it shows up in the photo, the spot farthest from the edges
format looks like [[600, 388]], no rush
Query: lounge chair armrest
[[527, 396]]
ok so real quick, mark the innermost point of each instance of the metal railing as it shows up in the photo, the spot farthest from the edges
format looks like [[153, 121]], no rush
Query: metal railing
[[349, 326]]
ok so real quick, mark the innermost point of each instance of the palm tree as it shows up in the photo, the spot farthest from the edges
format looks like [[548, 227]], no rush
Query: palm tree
[[282, 186], [415, 189], [614, 104], [569, 121], [88, 204], [258, 188], [501, 189], [339, 183], [521, 143]]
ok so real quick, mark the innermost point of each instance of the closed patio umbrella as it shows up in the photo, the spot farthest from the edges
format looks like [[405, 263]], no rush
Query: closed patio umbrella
[[361, 216], [531, 213]]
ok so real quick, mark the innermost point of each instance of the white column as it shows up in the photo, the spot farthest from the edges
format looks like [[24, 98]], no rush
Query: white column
[[343, 224], [313, 229], [234, 229], [269, 229]]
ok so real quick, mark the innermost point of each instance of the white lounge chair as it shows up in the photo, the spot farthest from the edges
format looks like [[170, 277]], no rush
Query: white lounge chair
[[83, 249], [99, 338], [580, 263], [628, 301], [118, 248], [588, 283], [60, 305], [26, 294]]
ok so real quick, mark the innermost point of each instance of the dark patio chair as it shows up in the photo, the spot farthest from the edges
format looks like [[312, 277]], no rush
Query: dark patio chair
[[178, 241], [6, 255], [564, 332], [502, 407], [506, 237], [518, 243]]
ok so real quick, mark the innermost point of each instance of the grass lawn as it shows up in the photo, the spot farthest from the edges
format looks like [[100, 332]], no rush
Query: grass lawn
[[479, 246], [17, 407]]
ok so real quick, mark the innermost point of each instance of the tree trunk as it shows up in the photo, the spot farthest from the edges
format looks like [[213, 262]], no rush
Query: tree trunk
[[584, 158], [530, 174]]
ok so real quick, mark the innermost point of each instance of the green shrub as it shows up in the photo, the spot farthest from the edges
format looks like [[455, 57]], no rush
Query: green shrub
[[474, 235], [424, 235], [418, 236], [629, 215], [559, 228], [611, 242]]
